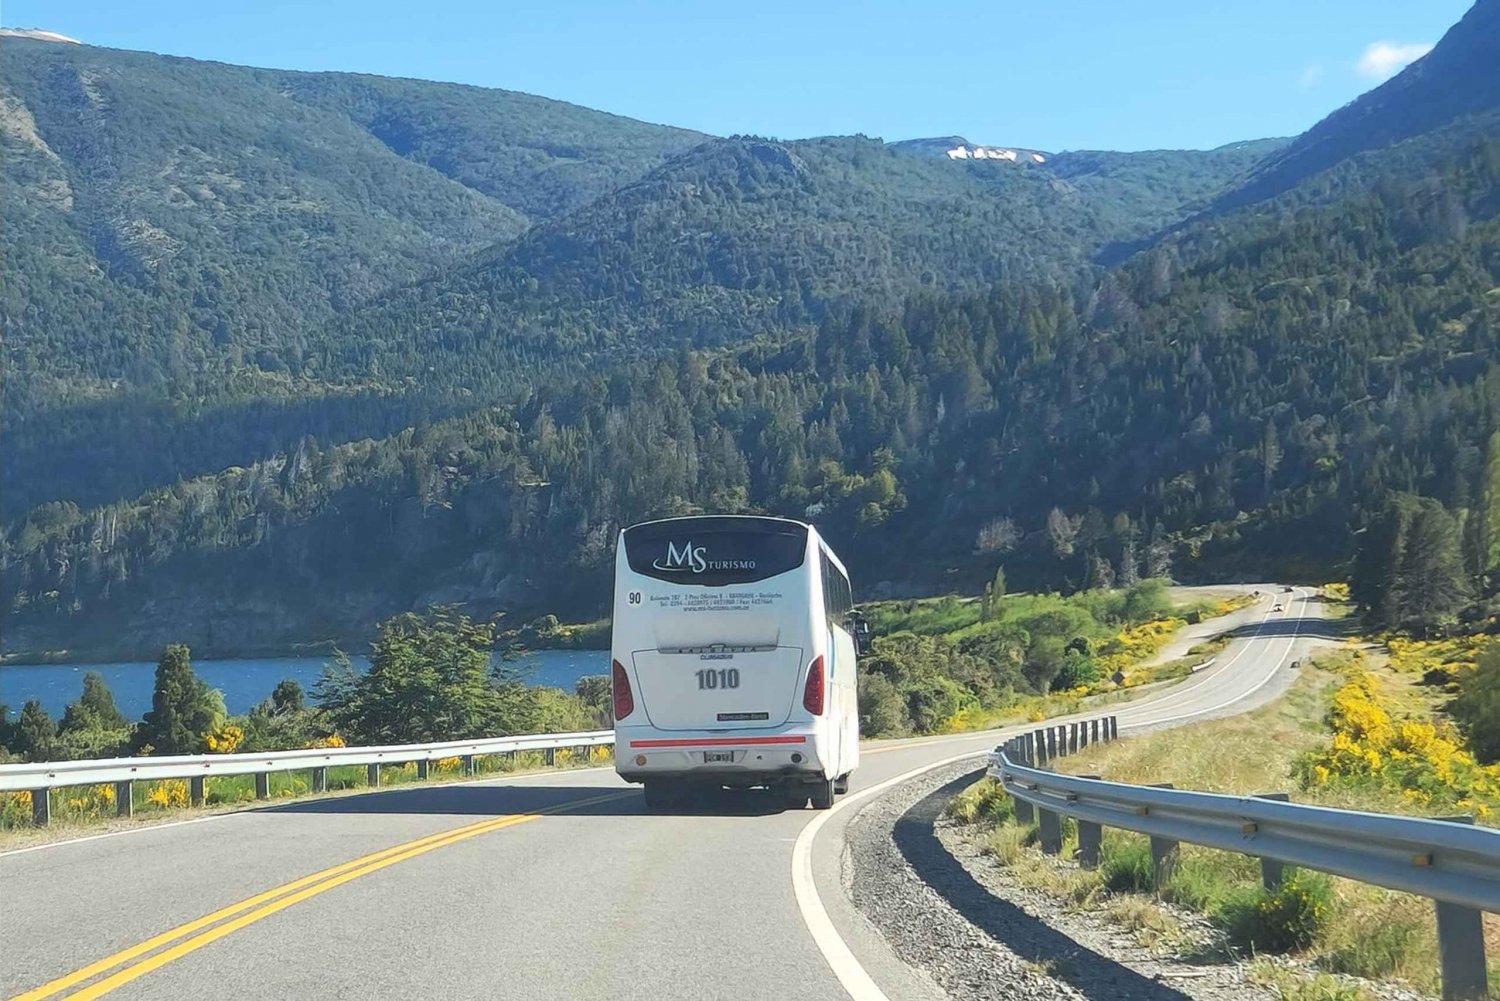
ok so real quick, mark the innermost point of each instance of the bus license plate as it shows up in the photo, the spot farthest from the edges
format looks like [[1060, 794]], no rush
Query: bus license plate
[[718, 757]]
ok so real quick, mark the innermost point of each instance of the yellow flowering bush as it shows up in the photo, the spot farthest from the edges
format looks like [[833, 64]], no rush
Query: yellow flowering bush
[[1411, 656], [1336, 591], [15, 808], [451, 762], [80, 801], [332, 740], [1134, 644], [964, 719], [1425, 761], [168, 793], [1226, 605], [226, 739]]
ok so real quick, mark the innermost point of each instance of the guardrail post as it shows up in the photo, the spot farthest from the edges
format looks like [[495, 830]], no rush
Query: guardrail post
[[1271, 869], [1090, 838], [262, 785], [1114, 728], [549, 755], [319, 782], [1049, 825], [1163, 852], [467, 764], [1040, 736], [124, 798], [424, 768], [1460, 933], [41, 807], [372, 774], [1073, 742], [195, 790]]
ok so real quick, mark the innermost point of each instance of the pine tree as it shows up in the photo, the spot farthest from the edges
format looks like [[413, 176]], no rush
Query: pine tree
[[994, 597], [1433, 584], [184, 710], [35, 735], [95, 709], [1489, 507]]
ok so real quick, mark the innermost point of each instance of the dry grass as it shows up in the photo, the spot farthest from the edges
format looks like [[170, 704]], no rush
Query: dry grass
[[1374, 933], [1249, 753], [1299, 985], [1146, 920]]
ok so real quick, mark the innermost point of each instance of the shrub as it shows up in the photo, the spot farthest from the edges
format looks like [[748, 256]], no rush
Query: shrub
[[1378, 951], [985, 800], [933, 700], [1477, 708], [1079, 670], [1125, 865], [881, 709], [1280, 920]]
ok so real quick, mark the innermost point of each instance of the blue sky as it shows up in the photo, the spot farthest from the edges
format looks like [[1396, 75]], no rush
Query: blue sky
[[1050, 74]]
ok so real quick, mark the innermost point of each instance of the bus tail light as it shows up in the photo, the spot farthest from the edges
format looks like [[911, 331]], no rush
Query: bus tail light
[[624, 700], [813, 694]]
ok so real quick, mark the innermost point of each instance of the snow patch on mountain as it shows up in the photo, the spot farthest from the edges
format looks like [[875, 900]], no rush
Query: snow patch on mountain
[[40, 34], [959, 148]]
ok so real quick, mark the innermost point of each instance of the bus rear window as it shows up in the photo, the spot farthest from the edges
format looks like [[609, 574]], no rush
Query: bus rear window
[[715, 551]]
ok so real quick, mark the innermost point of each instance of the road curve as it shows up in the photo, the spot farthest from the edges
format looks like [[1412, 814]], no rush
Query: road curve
[[556, 885]]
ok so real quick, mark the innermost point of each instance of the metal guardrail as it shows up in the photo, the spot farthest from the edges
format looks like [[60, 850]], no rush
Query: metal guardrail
[[1454, 863], [41, 777]]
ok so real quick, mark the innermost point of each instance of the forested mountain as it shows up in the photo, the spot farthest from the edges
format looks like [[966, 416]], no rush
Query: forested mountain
[[915, 351], [1242, 396], [747, 235], [1427, 111], [205, 260], [175, 228]]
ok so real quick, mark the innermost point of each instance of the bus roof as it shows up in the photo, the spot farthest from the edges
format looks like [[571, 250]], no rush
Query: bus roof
[[723, 517]]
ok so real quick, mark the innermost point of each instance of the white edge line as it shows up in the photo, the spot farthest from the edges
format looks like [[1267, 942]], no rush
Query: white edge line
[[1297, 621], [851, 975]]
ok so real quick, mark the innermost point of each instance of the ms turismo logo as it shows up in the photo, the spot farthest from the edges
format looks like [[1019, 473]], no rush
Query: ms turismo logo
[[694, 559]]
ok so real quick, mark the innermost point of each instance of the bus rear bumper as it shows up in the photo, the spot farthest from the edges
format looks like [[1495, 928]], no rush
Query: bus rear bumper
[[643, 754]]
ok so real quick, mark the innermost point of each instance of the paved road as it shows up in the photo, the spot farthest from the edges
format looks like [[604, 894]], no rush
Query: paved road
[[547, 886]]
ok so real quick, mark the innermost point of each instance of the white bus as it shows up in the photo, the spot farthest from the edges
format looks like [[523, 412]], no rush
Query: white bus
[[733, 659]]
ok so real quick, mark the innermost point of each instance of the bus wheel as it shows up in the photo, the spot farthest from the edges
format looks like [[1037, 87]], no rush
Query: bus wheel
[[660, 795], [822, 794], [841, 784], [796, 795]]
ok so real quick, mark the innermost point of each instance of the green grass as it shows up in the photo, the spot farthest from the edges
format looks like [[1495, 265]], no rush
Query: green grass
[[923, 616]]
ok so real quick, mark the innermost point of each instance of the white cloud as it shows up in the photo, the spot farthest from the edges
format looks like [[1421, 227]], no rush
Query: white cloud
[[1311, 75], [1384, 59]]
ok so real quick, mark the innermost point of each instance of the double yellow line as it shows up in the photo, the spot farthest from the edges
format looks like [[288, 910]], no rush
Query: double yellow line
[[210, 928]]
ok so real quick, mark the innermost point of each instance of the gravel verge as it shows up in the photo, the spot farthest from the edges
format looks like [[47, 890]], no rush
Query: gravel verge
[[949, 909]]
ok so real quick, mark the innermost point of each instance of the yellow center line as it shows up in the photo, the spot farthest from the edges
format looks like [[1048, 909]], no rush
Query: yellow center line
[[263, 905]]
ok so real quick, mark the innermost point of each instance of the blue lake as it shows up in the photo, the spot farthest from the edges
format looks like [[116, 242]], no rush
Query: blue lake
[[243, 682]]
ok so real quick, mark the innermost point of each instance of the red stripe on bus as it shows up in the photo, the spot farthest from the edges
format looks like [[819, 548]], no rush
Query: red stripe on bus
[[716, 741]]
